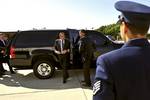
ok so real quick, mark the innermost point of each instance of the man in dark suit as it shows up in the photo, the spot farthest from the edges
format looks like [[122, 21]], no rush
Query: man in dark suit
[[124, 74], [86, 49], [2, 46], [62, 48], [6, 57]]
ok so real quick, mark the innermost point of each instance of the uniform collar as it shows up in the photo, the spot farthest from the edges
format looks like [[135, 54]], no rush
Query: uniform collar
[[141, 42]]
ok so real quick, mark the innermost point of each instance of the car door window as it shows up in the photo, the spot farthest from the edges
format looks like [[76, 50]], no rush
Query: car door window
[[36, 38], [97, 39]]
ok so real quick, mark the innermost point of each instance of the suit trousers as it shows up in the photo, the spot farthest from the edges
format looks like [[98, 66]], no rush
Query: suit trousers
[[7, 61], [1, 68], [86, 71], [64, 64]]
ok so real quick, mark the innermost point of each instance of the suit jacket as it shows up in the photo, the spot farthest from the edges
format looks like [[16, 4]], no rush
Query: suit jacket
[[2, 44], [124, 74], [86, 48], [66, 45], [2, 47]]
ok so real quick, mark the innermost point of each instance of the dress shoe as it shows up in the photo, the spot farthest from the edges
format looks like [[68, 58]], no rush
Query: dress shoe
[[64, 81]]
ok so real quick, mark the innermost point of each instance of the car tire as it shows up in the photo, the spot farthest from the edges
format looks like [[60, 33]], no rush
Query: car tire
[[43, 69]]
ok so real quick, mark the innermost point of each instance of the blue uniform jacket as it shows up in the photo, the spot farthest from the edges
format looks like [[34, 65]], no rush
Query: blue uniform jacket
[[124, 74]]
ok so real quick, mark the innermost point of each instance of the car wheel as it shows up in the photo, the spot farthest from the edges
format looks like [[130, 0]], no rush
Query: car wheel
[[43, 69]]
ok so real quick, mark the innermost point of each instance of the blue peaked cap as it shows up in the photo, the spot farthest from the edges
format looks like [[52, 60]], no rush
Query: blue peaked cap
[[134, 13]]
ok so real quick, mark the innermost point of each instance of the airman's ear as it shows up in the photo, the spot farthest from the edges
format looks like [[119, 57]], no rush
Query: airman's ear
[[125, 27]]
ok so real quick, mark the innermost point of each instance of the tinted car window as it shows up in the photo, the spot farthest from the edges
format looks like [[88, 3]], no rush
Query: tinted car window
[[36, 38], [98, 38]]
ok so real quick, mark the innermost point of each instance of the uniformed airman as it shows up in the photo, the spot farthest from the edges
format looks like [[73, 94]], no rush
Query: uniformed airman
[[124, 74]]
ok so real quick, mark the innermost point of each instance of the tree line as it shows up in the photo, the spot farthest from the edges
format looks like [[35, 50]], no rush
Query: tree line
[[113, 30]]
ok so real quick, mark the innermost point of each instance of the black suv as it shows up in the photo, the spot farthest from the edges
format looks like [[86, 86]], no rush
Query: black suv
[[34, 49]]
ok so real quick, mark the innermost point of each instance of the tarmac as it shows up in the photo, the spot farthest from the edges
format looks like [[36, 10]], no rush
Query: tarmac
[[25, 86]]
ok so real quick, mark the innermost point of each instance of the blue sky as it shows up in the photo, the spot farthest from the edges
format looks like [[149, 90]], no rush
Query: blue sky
[[57, 14]]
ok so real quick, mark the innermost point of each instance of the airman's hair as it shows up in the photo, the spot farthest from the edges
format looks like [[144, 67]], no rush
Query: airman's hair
[[138, 29]]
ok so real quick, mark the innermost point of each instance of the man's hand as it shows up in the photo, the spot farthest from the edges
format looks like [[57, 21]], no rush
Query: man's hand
[[2, 51], [57, 52], [64, 51]]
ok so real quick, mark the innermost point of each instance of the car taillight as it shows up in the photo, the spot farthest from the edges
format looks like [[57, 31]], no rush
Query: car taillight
[[12, 52]]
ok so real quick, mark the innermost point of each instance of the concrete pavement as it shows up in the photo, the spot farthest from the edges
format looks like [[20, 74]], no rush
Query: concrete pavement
[[25, 86]]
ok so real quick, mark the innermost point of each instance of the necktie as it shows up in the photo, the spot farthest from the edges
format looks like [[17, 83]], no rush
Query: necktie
[[79, 45], [61, 45]]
